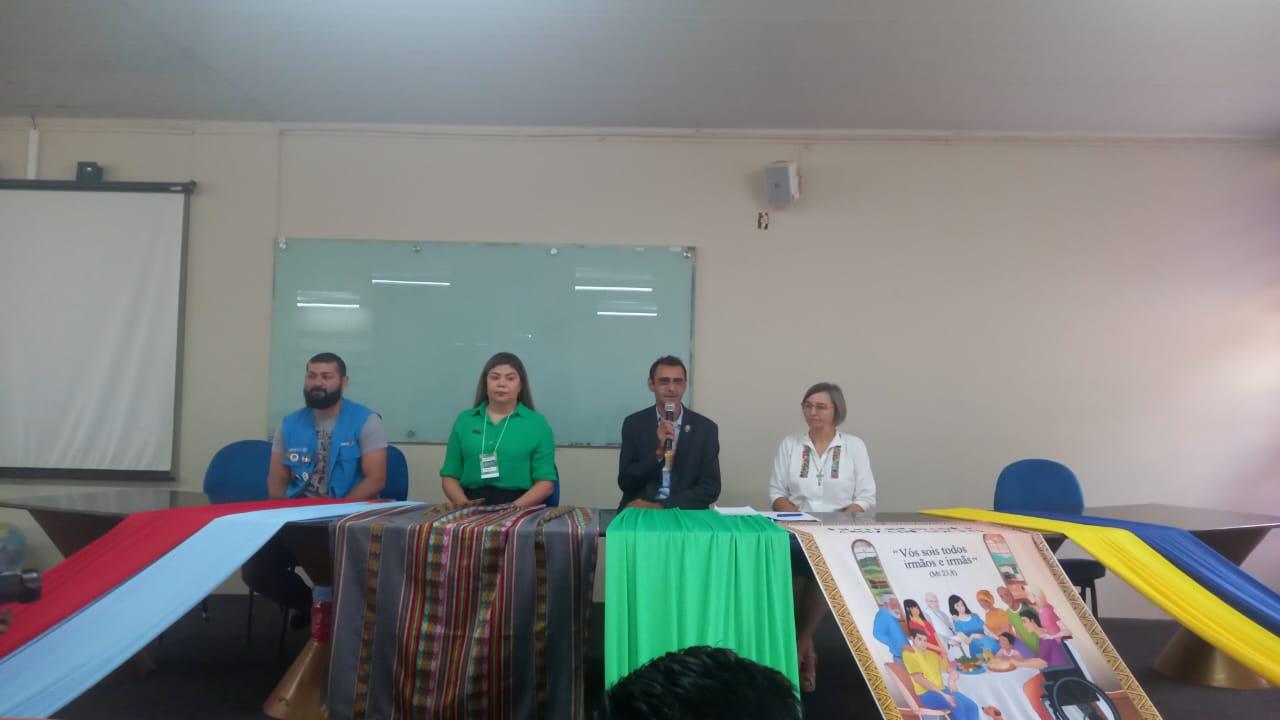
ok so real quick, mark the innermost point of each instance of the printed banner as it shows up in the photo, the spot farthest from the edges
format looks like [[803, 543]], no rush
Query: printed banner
[[975, 622]]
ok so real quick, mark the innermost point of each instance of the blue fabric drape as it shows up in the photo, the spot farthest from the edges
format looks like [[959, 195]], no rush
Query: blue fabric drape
[[1192, 556]]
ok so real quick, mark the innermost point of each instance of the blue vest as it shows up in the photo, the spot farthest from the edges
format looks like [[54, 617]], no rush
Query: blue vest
[[344, 449]]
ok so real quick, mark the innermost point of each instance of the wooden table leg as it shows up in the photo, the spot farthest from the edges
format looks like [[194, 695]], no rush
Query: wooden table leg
[[72, 531], [300, 693]]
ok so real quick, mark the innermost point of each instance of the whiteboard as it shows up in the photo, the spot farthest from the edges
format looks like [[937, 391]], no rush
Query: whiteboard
[[415, 322]]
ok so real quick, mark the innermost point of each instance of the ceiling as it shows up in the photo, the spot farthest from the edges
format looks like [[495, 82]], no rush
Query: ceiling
[[1072, 67]]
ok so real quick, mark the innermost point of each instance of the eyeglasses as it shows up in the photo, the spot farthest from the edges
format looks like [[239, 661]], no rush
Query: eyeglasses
[[666, 382], [814, 407]]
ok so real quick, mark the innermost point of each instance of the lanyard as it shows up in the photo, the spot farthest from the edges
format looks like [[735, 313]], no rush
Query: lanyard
[[484, 432]]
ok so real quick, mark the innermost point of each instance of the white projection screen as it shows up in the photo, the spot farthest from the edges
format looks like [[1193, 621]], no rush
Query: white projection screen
[[90, 319]]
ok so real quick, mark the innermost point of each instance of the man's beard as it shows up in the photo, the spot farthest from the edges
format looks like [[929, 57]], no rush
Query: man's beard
[[321, 399]]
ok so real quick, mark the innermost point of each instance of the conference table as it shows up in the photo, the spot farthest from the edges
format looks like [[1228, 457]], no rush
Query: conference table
[[73, 520]]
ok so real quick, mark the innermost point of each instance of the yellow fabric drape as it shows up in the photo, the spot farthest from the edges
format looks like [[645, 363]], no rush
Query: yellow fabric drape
[[1189, 602]]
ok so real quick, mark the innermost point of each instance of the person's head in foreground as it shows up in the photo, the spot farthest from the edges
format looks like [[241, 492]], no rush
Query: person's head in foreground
[[702, 683]]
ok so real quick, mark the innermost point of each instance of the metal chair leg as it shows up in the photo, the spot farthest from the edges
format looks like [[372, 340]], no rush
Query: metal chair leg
[[1089, 592], [248, 626], [284, 628]]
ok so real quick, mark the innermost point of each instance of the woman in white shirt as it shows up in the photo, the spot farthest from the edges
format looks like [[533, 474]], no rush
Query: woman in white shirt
[[819, 470], [822, 469]]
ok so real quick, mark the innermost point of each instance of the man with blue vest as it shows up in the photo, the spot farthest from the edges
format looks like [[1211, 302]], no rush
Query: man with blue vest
[[333, 448]]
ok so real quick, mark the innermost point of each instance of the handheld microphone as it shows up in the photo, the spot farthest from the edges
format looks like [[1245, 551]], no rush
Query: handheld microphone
[[670, 412]]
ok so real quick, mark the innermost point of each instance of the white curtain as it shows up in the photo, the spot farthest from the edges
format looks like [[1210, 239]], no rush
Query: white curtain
[[89, 304]]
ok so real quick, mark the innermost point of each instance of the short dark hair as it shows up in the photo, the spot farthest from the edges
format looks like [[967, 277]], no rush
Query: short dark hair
[[504, 358], [328, 357], [835, 393], [913, 632], [669, 361], [702, 683]]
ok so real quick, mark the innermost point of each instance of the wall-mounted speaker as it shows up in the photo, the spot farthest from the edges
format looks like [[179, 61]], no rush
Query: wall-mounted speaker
[[782, 182]]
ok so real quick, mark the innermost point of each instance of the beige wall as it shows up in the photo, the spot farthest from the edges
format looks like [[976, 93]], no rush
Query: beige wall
[[1112, 305]]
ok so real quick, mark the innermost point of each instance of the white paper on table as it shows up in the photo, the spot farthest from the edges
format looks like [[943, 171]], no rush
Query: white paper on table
[[790, 516], [743, 510]]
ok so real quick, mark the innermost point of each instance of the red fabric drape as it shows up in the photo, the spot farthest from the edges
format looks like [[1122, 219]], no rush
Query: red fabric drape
[[97, 568]]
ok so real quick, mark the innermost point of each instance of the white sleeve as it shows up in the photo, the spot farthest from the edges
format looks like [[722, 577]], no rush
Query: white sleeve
[[864, 483], [781, 469]]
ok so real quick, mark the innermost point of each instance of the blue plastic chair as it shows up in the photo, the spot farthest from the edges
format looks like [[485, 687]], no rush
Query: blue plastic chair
[[397, 487], [554, 499], [1036, 485], [238, 472]]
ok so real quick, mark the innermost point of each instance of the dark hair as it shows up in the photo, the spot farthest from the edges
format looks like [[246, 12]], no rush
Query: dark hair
[[504, 358], [669, 361], [913, 632], [702, 683], [951, 604], [908, 605], [1008, 636], [837, 398], [327, 357]]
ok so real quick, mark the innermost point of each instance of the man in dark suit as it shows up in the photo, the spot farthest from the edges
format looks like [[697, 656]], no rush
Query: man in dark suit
[[682, 473]]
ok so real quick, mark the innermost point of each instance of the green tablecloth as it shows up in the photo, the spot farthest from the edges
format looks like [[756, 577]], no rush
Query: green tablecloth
[[676, 578]]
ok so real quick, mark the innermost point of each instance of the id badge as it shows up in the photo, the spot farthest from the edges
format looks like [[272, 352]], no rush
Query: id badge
[[488, 466]]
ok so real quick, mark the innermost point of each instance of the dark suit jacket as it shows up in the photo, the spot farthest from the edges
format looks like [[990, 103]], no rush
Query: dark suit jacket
[[695, 471]]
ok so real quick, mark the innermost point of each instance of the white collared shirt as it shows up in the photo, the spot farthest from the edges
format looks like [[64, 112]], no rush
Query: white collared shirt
[[845, 469]]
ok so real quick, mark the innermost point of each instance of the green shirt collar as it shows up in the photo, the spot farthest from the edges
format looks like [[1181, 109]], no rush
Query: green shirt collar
[[521, 409]]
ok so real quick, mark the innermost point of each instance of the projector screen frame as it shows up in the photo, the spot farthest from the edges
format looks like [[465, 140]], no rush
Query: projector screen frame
[[186, 188]]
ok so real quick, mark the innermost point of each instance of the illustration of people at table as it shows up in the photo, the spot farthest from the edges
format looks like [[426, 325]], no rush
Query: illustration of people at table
[[917, 621], [942, 623], [971, 628], [887, 627], [1051, 649], [1000, 621], [927, 669], [1047, 616]]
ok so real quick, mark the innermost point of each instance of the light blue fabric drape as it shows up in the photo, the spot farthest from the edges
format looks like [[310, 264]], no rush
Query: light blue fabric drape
[[44, 675]]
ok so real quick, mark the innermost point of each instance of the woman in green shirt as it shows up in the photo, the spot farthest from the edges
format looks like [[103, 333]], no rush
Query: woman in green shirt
[[500, 451]]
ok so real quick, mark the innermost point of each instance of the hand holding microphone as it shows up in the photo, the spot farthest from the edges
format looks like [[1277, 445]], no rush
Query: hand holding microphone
[[667, 433], [669, 414]]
